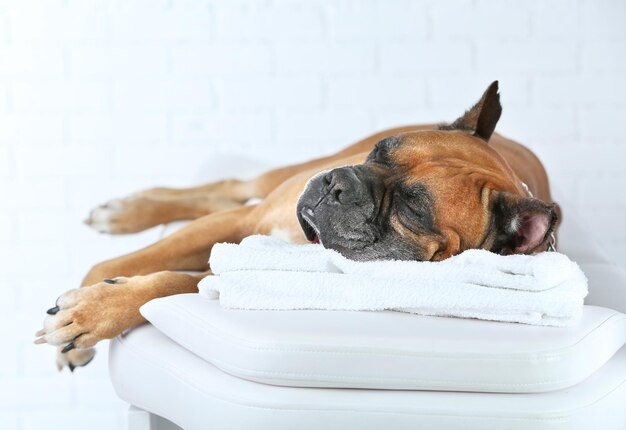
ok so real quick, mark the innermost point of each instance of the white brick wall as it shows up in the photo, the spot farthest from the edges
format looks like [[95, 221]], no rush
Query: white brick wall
[[96, 96]]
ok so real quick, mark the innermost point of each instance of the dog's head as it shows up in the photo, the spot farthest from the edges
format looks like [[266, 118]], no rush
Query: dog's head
[[427, 195]]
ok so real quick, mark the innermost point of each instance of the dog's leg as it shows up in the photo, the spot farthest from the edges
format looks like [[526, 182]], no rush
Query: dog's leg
[[114, 290], [156, 206], [162, 205], [82, 317]]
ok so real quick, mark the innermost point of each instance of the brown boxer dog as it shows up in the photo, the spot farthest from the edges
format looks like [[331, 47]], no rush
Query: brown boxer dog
[[412, 193]]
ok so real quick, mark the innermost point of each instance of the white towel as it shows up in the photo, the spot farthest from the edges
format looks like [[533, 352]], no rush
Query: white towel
[[267, 273]]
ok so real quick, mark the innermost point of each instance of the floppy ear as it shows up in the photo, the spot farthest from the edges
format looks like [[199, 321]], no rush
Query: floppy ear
[[482, 118], [522, 223]]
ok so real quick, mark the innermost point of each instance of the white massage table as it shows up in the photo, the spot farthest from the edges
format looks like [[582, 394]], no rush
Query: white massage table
[[198, 366]]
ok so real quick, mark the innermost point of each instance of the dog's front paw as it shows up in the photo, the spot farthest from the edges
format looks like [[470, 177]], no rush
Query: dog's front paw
[[123, 216], [83, 317], [74, 358]]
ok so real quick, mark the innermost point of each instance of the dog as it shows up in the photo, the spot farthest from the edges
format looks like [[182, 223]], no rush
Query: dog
[[423, 192]]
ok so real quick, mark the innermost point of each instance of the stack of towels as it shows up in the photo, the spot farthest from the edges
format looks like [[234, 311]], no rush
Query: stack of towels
[[264, 272]]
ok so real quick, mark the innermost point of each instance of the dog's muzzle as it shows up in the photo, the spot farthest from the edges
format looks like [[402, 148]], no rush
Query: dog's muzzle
[[332, 195]]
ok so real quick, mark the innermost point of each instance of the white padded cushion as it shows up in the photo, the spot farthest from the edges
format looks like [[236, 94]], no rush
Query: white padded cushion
[[389, 350], [156, 374]]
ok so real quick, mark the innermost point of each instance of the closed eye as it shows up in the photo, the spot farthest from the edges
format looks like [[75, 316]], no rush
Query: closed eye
[[414, 207]]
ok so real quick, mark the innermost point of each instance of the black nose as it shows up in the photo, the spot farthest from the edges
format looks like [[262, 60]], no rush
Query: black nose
[[343, 186]]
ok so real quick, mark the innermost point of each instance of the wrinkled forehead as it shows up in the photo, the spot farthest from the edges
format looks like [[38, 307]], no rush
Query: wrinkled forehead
[[435, 145], [454, 154]]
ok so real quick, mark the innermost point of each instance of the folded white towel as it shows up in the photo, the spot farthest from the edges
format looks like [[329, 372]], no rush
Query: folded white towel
[[267, 273]]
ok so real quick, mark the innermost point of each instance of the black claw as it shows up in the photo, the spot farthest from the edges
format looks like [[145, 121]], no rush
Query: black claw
[[53, 311], [71, 366], [68, 347], [110, 281]]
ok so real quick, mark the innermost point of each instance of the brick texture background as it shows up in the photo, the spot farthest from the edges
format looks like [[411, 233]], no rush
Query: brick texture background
[[99, 98]]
